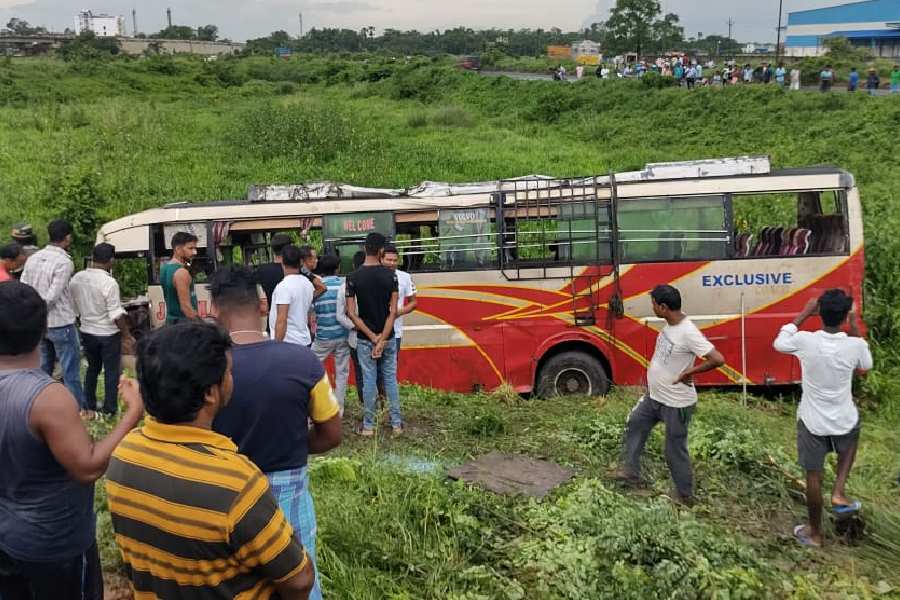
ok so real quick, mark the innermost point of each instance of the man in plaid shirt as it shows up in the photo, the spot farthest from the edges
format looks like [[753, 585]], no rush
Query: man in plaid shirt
[[48, 271]]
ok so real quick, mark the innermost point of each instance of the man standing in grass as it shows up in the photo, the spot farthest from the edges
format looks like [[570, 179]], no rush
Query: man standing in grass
[[269, 275], [331, 335], [853, 80], [827, 419], [292, 301], [104, 326], [406, 294], [192, 517], [873, 82], [372, 306], [50, 463], [671, 395], [49, 271], [826, 78], [177, 283], [278, 390]]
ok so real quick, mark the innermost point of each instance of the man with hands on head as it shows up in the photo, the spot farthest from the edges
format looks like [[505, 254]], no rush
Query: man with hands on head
[[827, 418], [671, 395]]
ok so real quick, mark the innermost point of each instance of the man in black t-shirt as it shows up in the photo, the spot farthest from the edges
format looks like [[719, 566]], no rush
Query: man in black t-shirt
[[270, 274], [372, 306]]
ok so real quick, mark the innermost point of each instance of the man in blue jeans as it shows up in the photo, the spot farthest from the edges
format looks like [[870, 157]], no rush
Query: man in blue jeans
[[48, 271], [372, 306]]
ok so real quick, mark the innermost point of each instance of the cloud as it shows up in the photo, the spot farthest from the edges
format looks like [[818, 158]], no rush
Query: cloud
[[344, 6], [13, 4]]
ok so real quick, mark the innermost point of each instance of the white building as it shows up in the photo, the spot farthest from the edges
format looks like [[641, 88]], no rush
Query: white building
[[757, 48], [872, 24], [101, 25], [585, 48]]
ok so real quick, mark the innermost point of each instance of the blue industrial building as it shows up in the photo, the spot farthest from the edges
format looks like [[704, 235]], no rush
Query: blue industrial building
[[872, 24]]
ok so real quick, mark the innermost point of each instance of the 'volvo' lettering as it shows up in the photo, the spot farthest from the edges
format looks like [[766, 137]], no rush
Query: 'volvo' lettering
[[742, 279]]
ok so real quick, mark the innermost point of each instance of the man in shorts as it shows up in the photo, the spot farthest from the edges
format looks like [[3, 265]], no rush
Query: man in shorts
[[827, 419]]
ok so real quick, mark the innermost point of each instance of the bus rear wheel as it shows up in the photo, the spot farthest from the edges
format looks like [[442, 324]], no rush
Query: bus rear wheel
[[572, 374]]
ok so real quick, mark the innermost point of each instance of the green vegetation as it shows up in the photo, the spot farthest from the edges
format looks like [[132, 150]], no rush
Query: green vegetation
[[98, 139], [392, 526]]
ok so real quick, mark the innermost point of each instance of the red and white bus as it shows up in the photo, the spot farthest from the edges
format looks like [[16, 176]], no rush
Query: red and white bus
[[543, 283]]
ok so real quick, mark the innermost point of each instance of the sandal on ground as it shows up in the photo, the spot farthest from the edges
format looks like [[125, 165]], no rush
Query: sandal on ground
[[846, 509], [360, 430], [803, 538], [397, 430]]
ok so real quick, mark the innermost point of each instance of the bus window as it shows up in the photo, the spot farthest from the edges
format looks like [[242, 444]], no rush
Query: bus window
[[666, 229], [202, 265], [543, 230], [795, 224], [344, 234], [467, 238]]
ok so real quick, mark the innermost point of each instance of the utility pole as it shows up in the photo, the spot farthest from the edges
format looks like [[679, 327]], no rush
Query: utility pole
[[134, 21], [301, 24], [730, 25], [169, 17], [778, 39]]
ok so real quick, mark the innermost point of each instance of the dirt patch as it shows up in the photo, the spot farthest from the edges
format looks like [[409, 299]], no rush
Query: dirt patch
[[116, 587]]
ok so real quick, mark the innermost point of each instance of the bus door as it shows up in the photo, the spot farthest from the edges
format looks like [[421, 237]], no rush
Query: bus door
[[556, 238]]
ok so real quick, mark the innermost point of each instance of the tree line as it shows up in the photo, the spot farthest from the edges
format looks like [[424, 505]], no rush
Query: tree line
[[632, 26]]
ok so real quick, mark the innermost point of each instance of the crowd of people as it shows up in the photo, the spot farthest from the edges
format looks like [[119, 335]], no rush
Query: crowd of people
[[690, 73], [209, 496]]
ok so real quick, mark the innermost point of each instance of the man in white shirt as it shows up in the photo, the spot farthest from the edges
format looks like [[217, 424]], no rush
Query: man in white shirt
[[406, 293], [292, 302], [827, 418], [48, 271], [671, 395], [104, 327]]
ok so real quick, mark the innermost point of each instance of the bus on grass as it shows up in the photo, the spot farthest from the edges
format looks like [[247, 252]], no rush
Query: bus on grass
[[543, 284]]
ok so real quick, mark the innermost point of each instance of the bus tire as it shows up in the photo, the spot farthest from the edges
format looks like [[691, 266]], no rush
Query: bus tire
[[572, 374]]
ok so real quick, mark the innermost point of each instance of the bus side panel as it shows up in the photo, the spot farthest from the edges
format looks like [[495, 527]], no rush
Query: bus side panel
[[716, 293]]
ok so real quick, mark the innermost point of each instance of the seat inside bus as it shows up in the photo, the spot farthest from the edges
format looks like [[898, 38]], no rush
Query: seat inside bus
[[813, 232]]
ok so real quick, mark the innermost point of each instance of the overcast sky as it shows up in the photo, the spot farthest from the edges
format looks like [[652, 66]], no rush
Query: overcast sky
[[755, 20]]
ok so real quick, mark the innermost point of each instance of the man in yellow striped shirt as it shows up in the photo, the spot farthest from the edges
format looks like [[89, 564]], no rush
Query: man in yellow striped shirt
[[192, 517]]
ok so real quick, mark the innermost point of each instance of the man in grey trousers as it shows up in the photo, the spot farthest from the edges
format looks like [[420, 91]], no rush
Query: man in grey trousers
[[671, 395]]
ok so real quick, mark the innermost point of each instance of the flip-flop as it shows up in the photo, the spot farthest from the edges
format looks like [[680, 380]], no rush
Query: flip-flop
[[845, 509], [804, 538]]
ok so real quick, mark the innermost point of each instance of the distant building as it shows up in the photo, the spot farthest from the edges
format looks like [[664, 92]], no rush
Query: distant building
[[586, 52], [757, 48], [585, 48], [101, 25], [873, 24]]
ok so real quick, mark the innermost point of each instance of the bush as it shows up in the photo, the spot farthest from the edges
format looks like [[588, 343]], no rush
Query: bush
[[286, 88], [452, 116], [654, 80], [308, 132]]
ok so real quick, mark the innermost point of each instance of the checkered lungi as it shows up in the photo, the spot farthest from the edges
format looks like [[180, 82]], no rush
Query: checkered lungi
[[291, 491]]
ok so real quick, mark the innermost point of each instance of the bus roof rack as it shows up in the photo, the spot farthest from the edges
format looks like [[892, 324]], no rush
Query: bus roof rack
[[692, 169]]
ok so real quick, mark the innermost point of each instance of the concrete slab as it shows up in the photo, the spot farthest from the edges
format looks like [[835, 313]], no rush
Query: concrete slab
[[513, 474]]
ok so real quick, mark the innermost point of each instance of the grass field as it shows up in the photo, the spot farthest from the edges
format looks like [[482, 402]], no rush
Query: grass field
[[94, 141]]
